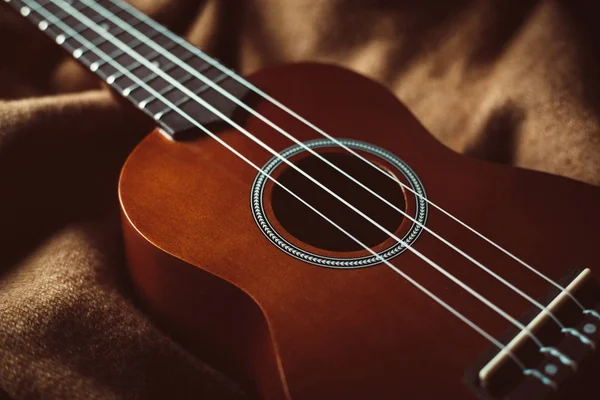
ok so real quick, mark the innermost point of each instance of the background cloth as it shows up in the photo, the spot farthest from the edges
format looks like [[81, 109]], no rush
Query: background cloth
[[510, 81]]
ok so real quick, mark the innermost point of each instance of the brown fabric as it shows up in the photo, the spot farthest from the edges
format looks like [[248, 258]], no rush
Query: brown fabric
[[511, 81]]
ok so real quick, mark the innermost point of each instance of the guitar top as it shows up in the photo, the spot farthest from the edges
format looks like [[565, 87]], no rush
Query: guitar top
[[300, 230]]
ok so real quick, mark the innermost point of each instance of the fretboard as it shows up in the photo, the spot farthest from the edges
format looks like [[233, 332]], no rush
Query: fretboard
[[159, 72]]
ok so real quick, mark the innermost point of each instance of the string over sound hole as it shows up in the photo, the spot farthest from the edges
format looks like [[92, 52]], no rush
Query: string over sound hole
[[296, 229], [307, 226]]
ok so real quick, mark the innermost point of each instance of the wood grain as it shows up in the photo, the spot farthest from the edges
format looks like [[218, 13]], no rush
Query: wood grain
[[288, 329]]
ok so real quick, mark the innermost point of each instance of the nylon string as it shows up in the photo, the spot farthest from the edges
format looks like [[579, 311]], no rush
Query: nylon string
[[141, 83], [142, 60], [194, 72], [441, 302], [190, 94], [138, 14], [219, 89]]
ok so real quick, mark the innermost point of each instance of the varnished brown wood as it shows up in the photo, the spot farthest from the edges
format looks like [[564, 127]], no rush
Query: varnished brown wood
[[289, 329]]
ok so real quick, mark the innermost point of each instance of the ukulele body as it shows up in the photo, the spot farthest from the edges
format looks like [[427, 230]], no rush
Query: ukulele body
[[289, 329]]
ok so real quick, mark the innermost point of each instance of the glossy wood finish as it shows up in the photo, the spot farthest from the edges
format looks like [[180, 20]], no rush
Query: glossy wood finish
[[289, 329]]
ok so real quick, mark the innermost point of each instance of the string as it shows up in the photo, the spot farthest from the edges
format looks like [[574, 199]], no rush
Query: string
[[138, 14], [174, 59], [452, 310], [470, 290], [524, 329], [218, 88]]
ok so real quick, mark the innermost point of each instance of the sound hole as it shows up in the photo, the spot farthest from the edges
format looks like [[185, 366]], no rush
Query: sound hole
[[307, 226]]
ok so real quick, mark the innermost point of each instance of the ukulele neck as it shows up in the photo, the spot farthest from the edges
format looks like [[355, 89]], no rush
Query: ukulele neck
[[159, 72]]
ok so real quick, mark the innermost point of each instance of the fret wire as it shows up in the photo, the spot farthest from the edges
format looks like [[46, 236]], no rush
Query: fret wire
[[167, 68], [202, 89], [151, 35], [62, 14], [150, 57], [138, 21], [165, 90], [99, 19], [115, 53], [156, 44], [102, 39], [183, 59], [106, 74], [99, 40], [130, 68], [85, 49], [136, 64], [150, 99], [44, 26], [170, 45], [134, 12], [99, 23], [134, 44], [152, 76], [72, 3], [272, 151], [220, 141], [184, 100], [117, 9], [236, 153], [61, 37], [225, 144]]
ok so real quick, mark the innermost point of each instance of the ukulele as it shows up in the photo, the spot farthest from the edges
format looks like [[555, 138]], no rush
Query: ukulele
[[301, 231]]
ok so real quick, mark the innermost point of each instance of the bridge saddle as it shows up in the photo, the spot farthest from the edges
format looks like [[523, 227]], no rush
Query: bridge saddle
[[557, 370]]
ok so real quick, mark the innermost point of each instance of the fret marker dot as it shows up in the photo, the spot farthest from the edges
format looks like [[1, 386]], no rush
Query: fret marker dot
[[589, 328], [550, 369], [110, 80], [94, 67], [60, 39], [77, 53], [43, 25], [25, 11]]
